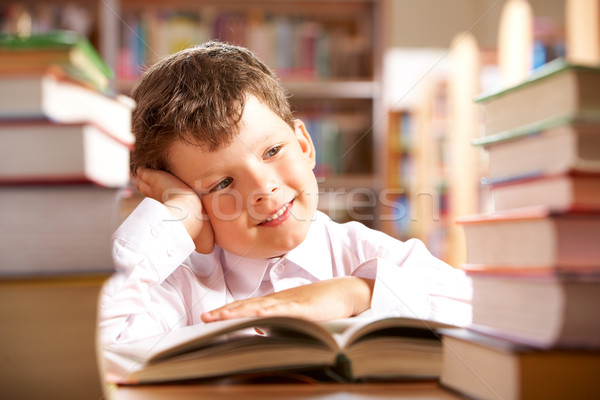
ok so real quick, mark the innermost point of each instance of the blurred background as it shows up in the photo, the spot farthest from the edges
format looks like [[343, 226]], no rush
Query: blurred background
[[386, 87]]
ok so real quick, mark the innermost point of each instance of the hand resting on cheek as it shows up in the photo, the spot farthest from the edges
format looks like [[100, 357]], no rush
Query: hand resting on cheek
[[183, 202]]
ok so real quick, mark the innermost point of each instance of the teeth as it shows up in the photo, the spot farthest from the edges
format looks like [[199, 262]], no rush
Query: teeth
[[278, 213]]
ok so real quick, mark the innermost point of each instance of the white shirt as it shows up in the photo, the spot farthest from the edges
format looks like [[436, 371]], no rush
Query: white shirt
[[162, 283]]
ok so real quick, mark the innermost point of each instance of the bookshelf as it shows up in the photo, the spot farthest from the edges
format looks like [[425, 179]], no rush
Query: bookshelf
[[325, 52], [429, 158], [432, 169], [416, 168], [399, 163]]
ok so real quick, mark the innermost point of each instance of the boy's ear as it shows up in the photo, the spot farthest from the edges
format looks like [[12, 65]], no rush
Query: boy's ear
[[305, 141]]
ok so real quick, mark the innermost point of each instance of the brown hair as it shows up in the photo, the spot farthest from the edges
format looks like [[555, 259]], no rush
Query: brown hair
[[198, 95]]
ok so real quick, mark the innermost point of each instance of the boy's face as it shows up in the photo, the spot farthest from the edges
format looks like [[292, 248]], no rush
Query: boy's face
[[259, 192]]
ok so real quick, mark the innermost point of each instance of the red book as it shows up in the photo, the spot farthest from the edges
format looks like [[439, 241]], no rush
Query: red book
[[562, 192], [532, 241]]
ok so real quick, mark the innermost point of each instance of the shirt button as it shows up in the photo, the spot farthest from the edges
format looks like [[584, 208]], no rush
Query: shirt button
[[280, 269], [156, 231], [170, 251]]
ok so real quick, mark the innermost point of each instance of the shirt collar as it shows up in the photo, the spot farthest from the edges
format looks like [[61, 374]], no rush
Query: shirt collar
[[243, 276], [314, 253]]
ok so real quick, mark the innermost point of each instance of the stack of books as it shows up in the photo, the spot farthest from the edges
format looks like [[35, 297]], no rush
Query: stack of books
[[64, 155], [535, 259]]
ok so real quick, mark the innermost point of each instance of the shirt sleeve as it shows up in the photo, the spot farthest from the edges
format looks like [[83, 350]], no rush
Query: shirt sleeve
[[411, 282], [147, 248]]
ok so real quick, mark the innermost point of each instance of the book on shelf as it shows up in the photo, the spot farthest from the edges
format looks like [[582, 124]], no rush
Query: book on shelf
[[558, 193], [295, 46], [556, 90], [72, 52], [563, 145], [40, 151], [532, 240], [48, 336], [54, 229], [539, 311], [350, 349], [488, 368], [53, 95], [328, 142]]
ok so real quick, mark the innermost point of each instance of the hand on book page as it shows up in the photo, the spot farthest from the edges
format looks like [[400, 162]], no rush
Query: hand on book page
[[319, 301], [183, 202]]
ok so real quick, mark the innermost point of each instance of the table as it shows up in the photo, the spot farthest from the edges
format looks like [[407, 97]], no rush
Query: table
[[316, 391]]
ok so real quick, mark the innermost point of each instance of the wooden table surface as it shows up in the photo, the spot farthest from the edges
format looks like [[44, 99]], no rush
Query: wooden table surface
[[320, 391]]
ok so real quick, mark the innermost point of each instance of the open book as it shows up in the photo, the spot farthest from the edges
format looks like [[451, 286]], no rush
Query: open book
[[352, 349]]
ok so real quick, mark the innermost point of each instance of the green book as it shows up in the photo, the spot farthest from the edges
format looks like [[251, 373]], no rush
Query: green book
[[537, 128], [552, 68], [72, 52], [556, 92]]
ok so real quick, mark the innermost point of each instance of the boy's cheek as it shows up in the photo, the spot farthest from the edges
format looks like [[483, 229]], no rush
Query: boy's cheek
[[223, 207]]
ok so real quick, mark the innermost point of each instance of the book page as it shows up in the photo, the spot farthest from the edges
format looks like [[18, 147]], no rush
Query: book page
[[189, 338]]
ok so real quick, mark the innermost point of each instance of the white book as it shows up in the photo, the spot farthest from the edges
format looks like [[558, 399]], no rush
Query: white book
[[63, 100], [544, 312], [488, 368], [47, 152], [57, 229], [532, 240]]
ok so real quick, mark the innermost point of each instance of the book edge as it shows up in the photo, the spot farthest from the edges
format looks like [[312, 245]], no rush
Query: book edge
[[549, 69], [537, 128]]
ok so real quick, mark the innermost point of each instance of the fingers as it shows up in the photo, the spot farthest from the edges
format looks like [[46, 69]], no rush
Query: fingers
[[182, 201], [319, 301], [260, 307], [160, 185], [145, 182], [142, 175], [141, 184], [239, 309]]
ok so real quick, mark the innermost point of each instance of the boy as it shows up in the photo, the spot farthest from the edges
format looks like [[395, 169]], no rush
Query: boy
[[229, 226]]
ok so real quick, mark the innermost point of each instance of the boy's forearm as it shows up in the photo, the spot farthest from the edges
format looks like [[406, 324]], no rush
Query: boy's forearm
[[335, 298], [359, 292], [148, 247]]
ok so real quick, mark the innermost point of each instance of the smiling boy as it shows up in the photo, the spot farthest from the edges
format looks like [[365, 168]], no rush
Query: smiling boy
[[229, 227]]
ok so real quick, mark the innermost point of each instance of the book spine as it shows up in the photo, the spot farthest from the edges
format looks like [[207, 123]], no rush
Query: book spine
[[296, 46]]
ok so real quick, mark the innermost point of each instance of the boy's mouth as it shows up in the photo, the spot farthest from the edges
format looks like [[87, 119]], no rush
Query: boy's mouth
[[278, 216]]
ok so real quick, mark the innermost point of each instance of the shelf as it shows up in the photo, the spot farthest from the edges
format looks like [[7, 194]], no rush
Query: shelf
[[310, 89], [348, 181], [325, 52], [349, 198], [351, 89]]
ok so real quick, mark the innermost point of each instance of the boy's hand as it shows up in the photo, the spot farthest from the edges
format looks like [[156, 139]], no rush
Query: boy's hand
[[181, 200], [319, 301]]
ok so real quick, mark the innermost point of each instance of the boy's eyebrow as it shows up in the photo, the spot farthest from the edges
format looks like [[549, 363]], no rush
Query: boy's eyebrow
[[268, 137], [202, 176]]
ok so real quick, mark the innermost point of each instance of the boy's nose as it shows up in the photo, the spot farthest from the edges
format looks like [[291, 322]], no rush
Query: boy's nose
[[263, 193]]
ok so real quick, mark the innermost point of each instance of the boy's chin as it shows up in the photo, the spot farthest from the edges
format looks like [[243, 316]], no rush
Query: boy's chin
[[272, 249]]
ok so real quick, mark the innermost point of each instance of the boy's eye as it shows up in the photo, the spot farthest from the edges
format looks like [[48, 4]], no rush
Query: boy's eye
[[221, 185], [272, 151]]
